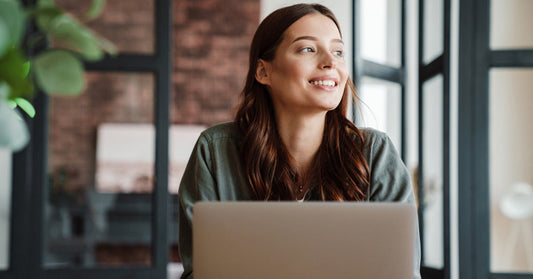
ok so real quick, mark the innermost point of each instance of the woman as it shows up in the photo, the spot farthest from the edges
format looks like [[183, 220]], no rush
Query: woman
[[291, 139]]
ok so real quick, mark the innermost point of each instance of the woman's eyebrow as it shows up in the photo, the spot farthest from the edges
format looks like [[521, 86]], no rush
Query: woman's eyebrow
[[312, 38]]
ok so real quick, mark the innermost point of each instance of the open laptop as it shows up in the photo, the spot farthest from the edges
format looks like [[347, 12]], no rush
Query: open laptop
[[244, 240]]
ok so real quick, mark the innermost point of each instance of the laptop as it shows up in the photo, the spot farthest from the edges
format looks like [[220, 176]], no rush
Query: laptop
[[244, 240]]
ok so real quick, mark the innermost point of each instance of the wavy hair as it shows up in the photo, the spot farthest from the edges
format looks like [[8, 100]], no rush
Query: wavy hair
[[340, 171]]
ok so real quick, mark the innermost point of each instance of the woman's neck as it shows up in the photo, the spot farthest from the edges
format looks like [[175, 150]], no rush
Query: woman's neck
[[302, 136]]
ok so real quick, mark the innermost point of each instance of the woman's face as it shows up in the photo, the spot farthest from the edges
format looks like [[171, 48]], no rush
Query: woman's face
[[308, 73]]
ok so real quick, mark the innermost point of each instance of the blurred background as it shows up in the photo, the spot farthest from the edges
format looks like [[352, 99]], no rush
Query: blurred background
[[94, 193]]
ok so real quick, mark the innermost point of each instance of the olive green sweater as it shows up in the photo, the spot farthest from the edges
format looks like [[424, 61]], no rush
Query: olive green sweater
[[214, 173]]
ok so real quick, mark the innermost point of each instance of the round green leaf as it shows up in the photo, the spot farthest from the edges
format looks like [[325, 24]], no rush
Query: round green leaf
[[26, 68], [26, 106], [96, 9], [13, 73], [107, 46], [13, 16], [45, 3], [11, 104], [69, 33], [45, 15], [15, 135], [58, 72]]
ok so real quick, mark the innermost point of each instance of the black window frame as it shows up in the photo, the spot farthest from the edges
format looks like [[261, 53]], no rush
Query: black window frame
[[426, 71]]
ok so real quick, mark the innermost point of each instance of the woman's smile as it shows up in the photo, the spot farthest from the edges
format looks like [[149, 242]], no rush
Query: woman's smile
[[325, 83]]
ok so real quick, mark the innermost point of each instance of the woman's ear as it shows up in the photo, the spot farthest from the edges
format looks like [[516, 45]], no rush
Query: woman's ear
[[262, 72]]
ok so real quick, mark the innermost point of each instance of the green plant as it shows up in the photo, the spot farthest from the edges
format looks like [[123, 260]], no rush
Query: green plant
[[56, 69]]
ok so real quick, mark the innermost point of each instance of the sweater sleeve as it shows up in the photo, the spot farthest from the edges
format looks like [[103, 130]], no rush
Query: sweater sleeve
[[197, 184], [390, 181]]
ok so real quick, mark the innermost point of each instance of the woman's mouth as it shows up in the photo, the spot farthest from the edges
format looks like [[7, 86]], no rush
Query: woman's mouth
[[324, 83]]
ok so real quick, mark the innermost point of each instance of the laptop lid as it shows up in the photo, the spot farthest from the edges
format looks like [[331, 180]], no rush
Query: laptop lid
[[242, 240]]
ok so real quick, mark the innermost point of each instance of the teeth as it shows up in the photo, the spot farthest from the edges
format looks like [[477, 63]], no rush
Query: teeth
[[323, 82]]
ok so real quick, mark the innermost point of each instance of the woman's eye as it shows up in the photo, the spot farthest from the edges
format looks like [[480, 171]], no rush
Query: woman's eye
[[306, 49], [339, 53]]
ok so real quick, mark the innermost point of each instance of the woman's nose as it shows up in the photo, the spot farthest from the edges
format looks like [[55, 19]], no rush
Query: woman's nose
[[327, 61]]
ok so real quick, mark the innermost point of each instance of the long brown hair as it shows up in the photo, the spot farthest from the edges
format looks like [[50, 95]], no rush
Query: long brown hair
[[340, 172]]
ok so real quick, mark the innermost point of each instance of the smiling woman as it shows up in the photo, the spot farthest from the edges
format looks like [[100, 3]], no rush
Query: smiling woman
[[290, 139]]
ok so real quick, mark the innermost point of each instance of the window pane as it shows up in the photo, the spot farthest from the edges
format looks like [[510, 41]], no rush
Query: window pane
[[433, 29], [432, 173], [511, 165], [101, 164], [381, 31], [128, 24], [381, 108], [5, 206], [511, 23]]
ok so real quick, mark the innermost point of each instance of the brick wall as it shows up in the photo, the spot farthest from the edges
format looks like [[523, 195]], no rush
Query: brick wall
[[211, 43], [128, 24], [210, 52]]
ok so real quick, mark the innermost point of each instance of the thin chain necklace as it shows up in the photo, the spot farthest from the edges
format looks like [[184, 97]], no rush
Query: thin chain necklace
[[300, 192]]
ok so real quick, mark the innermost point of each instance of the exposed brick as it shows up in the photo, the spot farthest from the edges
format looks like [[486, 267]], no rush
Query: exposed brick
[[129, 24]]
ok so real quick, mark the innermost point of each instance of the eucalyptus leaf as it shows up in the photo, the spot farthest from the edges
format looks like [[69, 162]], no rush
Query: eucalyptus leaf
[[15, 135], [96, 9], [45, 3], [72, 35], [107, 46], [58, 72], [44, 16], [26, 106], [13, 73], [11, 104], [13, 17], [26, 68]]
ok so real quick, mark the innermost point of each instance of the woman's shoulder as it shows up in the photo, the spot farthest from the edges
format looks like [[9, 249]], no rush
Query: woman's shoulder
[[226, 130], [376, 143], [371, 136]]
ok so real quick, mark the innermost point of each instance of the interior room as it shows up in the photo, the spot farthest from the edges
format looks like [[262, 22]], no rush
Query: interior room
[[89, 185]]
